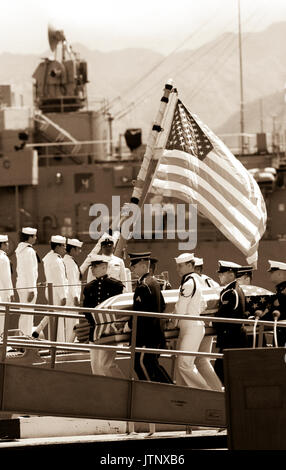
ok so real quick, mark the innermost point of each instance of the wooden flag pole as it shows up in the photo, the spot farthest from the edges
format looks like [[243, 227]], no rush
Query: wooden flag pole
[[145, 174]]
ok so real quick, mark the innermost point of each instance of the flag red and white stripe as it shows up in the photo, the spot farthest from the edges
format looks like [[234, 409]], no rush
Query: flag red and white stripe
[[198, 168]]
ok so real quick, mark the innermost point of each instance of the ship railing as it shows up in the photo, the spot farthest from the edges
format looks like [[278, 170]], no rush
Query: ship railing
[[274, 142], [55, 312]]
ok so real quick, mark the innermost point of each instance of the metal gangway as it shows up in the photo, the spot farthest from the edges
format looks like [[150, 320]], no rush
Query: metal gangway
[[41, 389]]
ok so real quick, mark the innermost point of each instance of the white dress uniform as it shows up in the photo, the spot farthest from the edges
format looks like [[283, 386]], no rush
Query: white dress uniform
[[55, 273], [191, 334], [209, 282], [204, 364], [73, 276], [6, 286], [116, 266], [191, 302], [194, 371], [27, 276]]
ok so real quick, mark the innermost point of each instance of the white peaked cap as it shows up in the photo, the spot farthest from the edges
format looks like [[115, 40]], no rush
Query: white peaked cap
[[3, 238], [276, 265], [185, 257], [228, 264], [58, 239], [29, 230], [100, 258], [198, 261], [74, 242]]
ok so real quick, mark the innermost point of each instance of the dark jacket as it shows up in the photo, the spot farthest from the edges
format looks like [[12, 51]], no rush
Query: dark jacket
[[148, 298], [231, 305], [96, 292]]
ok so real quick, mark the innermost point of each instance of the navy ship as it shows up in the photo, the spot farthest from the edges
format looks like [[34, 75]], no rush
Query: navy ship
[[59, 158]]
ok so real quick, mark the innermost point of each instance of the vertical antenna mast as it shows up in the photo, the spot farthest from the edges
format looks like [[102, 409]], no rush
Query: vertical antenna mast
[[241, 84]]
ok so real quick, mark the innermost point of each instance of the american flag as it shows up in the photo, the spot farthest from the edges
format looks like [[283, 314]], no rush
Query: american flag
[[107, 324], [256, 298], [198, 168]]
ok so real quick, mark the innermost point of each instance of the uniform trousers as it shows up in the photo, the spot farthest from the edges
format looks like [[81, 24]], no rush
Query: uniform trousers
[[69, 323], [190, 338], [26, 322], [2, 320], [103, 363], [205, 367], [147, 367]]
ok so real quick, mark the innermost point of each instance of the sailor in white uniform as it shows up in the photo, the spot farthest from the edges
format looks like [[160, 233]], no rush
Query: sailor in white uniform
[[6, 286], [27, 275], [198, 268], [73, 273], [204, 364], [190, 302], [116, 267], [55, 273]]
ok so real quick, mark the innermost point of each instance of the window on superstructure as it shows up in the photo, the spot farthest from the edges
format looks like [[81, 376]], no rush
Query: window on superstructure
[[84, 183]]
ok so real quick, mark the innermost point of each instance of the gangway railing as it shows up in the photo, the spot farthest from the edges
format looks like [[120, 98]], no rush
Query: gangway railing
[[57, 392], [52, 311]]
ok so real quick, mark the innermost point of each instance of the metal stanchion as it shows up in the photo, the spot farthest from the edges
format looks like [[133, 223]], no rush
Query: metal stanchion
[[133, 346], [5, 333], [131, 425], [53, 325]]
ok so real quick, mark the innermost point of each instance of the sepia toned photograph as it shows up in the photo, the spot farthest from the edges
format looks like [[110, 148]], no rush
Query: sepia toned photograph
[[142, 230]]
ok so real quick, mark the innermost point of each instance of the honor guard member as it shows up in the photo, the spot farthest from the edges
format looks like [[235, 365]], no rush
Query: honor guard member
[[116, 267], [190, 302], [55, 273], [231, 305], [227, 272], [6, 286], [27, 275], [277, 309], [73, 274], [95, 292], [199, 267], [204, 364], [148, 298]]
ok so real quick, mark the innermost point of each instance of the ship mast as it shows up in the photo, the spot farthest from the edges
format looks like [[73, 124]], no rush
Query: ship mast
[[241, 84]]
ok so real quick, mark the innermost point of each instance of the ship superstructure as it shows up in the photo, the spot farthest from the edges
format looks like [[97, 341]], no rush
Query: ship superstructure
[[59, 159]]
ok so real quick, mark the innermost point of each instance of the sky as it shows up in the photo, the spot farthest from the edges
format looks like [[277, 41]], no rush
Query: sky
[[106, 25]]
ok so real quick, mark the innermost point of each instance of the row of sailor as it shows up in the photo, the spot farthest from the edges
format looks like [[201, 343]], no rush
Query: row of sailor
[[60, 269]]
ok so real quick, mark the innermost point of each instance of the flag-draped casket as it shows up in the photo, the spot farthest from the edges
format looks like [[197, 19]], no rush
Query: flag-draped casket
[[110, 327]]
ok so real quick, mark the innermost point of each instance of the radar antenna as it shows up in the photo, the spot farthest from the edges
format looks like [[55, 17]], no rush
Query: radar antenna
[[55, 37]]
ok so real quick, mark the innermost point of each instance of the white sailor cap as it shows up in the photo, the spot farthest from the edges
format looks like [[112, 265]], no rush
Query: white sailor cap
[[274, 265], [98, 259], [29, 230], [58, 239], [224, 266], [3, 238], [185, 258], [74, 242], [198, 261]]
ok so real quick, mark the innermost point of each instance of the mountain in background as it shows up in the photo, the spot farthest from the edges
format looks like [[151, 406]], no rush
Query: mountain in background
[[207, 80]]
